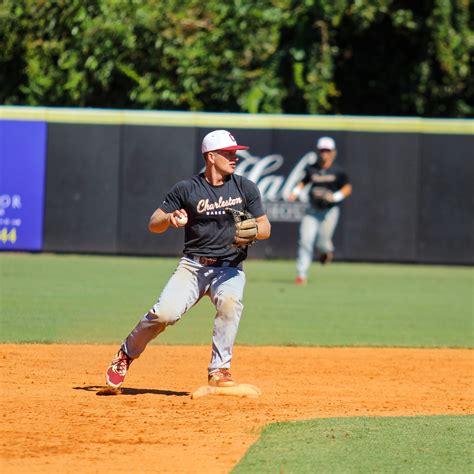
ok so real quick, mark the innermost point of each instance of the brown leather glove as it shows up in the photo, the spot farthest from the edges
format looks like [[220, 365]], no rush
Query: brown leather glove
[[246, 229]]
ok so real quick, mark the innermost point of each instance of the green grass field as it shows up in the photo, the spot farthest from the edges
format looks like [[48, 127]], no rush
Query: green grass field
[[96, 299], [436, 444]]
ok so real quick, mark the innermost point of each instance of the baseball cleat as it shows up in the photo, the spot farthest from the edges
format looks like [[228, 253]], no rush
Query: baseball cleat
[[300, 280], [326, 258], [220, 378], [117, 370]]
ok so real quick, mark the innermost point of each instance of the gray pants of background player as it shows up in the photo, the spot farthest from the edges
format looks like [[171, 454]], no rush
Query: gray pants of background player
[[317, 226], [188, 284]]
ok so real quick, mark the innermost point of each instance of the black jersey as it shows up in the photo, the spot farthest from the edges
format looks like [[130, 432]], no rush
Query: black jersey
[[331, 179], [210, 230]]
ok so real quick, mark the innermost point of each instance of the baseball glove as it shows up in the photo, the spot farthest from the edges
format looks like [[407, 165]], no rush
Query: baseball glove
[[245, 227]]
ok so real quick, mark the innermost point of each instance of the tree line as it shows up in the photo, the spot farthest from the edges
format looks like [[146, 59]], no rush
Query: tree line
[[353, 57]]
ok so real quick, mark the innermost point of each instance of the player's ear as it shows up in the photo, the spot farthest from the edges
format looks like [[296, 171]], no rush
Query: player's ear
[[210, 157]]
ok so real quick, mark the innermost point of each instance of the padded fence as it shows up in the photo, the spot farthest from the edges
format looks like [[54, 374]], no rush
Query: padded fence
[[412, 198]]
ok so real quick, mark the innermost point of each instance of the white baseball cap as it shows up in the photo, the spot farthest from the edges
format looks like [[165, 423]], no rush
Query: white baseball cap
[[326, 143], [220, 140]]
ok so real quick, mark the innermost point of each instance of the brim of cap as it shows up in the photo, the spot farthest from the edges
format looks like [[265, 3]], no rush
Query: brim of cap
[[232, 148]]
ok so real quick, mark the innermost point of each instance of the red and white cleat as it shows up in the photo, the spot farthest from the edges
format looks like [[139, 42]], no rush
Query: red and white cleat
[[117, 370], [300, 280], [220, 378]]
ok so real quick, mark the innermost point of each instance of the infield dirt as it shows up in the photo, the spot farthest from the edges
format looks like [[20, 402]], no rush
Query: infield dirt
[[53, 421]]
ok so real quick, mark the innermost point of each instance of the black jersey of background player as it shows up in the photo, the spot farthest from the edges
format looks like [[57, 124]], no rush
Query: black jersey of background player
[[330, 179], [210, 230]]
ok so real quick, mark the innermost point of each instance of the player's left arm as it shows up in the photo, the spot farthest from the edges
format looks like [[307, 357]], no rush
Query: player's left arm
[[264, 227], [255, 207], [338, 195], [346, 190]]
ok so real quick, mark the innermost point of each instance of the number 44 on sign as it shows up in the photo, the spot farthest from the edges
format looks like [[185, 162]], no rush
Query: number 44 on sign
[[7, 235]]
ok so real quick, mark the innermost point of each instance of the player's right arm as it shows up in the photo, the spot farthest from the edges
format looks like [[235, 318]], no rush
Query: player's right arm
[[170, 209], [299, 187], [296, 191], [160, 220]]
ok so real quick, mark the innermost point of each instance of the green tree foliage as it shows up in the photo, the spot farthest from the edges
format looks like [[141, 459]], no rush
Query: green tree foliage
[[389, 57], [411, 58]]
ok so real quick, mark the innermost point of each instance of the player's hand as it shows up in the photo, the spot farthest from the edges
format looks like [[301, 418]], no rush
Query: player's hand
[[329, 197], [245, 227], [323, 195], [292, 197], [178, 218]]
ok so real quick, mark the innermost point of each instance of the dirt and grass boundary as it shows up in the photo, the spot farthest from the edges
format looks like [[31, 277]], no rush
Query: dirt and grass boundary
[[52, 419]]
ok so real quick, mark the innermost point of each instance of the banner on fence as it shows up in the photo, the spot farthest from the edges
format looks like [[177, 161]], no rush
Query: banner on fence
[[22, 174]]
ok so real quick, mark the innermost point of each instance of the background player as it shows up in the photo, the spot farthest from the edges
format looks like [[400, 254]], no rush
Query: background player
[[211, 265], [329, 187]]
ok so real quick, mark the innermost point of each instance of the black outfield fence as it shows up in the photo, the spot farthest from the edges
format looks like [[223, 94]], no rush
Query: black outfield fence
[[107, 171]]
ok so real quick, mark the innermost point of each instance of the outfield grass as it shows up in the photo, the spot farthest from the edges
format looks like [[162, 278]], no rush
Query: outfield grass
[[98, 299], [435, 444]]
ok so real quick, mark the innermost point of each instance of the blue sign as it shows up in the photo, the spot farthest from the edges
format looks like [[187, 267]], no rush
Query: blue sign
[[22, 183]]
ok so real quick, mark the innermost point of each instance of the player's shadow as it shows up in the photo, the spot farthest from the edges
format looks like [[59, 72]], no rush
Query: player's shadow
[[133, 391]]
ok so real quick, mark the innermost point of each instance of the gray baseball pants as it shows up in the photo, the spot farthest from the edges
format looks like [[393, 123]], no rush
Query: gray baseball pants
[[317, 227], [188, 284]]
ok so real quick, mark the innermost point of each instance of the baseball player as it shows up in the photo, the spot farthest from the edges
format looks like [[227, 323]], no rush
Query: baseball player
[[222, 214], [329, 187]]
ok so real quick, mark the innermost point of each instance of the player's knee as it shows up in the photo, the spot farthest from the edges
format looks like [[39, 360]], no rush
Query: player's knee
[[325, 246], [163, 315], [229, 306], [306, 244]]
